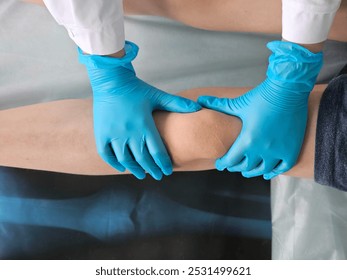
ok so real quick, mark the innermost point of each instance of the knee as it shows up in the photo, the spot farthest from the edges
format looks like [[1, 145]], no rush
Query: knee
[[204, 135]]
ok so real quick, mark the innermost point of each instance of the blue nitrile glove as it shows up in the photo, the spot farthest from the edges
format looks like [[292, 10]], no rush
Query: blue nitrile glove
[[273, 114], [125, 132]]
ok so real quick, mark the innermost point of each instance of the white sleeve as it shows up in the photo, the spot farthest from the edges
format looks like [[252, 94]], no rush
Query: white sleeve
[[308, 21], [96, 26]]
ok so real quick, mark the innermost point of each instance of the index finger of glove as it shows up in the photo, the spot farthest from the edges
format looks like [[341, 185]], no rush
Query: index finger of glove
[[178, 104], [223, 105]]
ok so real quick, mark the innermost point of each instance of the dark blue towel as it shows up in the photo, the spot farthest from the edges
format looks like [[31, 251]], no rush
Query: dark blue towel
[[331, 136]]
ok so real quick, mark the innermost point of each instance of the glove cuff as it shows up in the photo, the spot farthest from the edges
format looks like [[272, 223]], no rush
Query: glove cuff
[[107, 62], [293, 67]]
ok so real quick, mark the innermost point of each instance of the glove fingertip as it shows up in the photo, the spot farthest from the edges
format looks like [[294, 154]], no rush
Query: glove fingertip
[[113, 163], [180, 105], [269, 176], [167, 172], [206, 100], [120, 168], [232, 169], [167, 168], [157, 177], [219, 165], [116, 166], [164, 163], [140, 176], [193, 106]]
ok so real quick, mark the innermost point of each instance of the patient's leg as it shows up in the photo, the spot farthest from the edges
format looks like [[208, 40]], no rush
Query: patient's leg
[[58, 136], [229, 15], [224, 15]]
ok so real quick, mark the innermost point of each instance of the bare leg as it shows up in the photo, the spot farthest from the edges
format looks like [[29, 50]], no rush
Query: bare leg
[[58, 136], [224, 15], [263, 16]]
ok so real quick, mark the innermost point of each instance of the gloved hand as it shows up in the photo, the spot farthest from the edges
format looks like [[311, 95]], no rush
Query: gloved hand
[[273, 114], [125, 132]]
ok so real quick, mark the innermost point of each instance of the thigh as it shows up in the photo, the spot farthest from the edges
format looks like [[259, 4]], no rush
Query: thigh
[[264, 16], [222, 15], [225, 15]]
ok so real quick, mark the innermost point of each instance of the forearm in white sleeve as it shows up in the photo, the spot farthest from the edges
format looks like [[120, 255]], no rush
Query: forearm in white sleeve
[[308, 21], [96, 26]]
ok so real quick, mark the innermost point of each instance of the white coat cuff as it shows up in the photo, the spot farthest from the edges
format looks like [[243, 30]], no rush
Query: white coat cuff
[[105, 40], [303, 25]]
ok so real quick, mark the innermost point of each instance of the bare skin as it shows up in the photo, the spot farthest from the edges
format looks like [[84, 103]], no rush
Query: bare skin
[[262, 16], [235, 16], [58, 136]]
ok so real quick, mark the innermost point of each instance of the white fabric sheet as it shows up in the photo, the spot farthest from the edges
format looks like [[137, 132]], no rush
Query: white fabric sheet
[[309, 221]]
